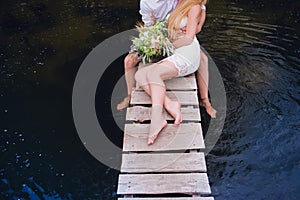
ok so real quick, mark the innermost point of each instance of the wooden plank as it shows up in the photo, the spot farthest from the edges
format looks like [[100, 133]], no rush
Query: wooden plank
[[128, 196], [190, 183], [170, 198], [163, 162], [185, 98], [180, 83], [141, 113], [184, 136]]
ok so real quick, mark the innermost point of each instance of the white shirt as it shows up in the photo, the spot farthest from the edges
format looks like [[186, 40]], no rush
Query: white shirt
[[156, 8]]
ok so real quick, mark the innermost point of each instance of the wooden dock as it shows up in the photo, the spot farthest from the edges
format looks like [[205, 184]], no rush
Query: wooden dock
[[173, 168]]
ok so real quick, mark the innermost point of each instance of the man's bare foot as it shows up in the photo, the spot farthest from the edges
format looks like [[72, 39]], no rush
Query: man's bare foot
[[173, 108], [124, 104], [155, 129], [209, 109]]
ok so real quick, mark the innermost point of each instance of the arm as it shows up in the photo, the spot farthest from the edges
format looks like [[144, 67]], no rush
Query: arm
[[191, 28], [202, 18], [201, 22], [146, 12]]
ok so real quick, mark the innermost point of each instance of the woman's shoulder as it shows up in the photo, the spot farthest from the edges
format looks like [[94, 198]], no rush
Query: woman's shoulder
[[195, 10]]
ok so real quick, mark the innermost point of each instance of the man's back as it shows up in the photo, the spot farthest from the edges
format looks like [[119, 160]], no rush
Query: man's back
[[156, 9]]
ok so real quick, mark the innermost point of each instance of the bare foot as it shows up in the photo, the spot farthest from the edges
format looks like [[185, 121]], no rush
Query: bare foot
[[209, 109], [158, 122], [124, 104], [154, 131], [173, 108]]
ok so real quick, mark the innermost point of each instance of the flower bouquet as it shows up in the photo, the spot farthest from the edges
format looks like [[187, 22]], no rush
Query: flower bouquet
[[153, 43]]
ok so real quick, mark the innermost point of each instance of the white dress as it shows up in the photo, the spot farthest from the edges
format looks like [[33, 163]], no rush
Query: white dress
[[186, 58]]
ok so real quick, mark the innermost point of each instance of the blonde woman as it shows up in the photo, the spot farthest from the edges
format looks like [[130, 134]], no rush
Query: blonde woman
[[185, 60]]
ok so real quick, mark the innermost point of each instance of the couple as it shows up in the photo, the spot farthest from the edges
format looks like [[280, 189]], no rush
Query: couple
[[185, 20]]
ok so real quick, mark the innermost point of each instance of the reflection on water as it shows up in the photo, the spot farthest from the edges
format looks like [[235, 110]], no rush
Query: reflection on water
[[257, 156], [255, 44]]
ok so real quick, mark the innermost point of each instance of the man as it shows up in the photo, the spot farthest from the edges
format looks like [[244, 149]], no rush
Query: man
[[157, 10]]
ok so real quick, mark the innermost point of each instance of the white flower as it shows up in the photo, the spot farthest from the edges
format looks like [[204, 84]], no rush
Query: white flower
[[152, 43]]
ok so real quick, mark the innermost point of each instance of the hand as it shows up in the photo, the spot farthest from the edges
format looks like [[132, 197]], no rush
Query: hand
[[183, 30], [182, 41]]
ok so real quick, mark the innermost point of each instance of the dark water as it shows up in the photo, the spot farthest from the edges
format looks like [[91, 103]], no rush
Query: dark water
[[255, 44]]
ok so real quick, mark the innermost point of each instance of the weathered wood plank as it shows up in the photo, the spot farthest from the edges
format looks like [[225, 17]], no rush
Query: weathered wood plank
[[170, 198], [128, 196], [141, 113], [185, 98], [163, 162], [163, 183], [184, 136], [180, 83]]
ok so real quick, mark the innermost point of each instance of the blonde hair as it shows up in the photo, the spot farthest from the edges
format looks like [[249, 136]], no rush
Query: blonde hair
[[179, 13]]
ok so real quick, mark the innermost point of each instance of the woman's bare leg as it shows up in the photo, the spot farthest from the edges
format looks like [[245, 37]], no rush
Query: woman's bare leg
[[172, 107], [202, 77], [154, 78]]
